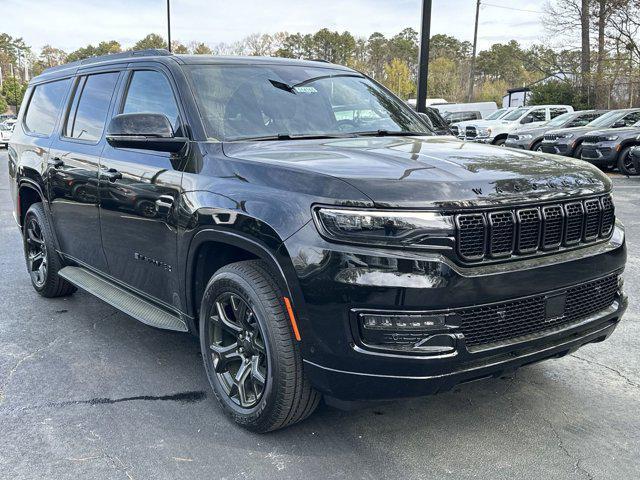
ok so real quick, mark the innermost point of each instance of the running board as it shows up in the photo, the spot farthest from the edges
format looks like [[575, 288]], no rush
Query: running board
[[128, 302]]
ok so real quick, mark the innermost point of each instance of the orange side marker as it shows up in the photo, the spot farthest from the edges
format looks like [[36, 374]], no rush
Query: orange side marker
[[292, 318]]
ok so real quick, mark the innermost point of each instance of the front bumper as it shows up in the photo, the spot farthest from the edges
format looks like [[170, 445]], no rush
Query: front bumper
[[557, 148], [600, 153], [333, 280]]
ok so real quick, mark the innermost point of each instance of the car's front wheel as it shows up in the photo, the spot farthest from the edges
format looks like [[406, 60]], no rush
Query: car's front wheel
[[626, 164], [251, 357]]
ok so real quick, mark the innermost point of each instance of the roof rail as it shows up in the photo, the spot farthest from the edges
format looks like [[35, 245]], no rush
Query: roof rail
[[151, 52], [321, 60]]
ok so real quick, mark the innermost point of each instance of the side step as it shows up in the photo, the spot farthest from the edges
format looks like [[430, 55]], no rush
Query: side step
[[123, 300]]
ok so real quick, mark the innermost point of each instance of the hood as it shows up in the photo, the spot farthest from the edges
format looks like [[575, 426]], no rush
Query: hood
[[577, 131], [629, 132], [422, 172], [535, 131]]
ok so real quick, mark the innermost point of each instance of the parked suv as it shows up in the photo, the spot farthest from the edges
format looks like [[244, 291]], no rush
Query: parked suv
[[612, 147], [568, 141], [497, 131], [459, 128], [357, 258], [5, 134], [530, 138]]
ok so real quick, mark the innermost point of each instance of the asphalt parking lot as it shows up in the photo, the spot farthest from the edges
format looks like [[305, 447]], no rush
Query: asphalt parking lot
[[87, 392]]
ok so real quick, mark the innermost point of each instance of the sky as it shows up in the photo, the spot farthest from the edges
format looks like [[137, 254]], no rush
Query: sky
[[70, 24]]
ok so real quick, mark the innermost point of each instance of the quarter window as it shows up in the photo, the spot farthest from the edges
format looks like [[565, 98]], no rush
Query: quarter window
[[44, 107], [150, 92], [91, 106]]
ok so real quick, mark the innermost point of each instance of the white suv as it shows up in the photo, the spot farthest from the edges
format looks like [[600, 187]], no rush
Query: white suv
[[496, 132], [5, 134]]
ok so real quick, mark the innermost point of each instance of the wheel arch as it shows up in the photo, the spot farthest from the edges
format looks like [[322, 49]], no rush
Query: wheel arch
[[500, 136], [29, 192], [211, 249]]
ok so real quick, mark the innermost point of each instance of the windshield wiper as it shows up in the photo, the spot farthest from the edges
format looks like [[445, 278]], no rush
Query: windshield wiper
[[286, 136], [390, 133]]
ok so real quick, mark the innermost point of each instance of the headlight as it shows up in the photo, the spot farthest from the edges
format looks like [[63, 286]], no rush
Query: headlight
[[566, 135], [525, 137], [390, 228], [609, 138]]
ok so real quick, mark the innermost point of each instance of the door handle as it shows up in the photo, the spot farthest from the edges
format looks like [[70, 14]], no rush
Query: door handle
[[111, 174], [55, 162]]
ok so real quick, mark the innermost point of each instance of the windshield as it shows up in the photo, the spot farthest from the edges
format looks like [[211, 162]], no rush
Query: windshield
[[245, 102], [516, 114], [607, 119], [4, 127], [497, 114], [561, 119]]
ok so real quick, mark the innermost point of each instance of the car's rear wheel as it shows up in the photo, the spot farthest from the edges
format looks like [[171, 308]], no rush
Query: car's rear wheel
[[500, 142], [43, 262], [626, 164], [251, 357]]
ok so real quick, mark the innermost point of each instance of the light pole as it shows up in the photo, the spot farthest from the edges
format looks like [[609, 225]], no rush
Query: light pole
[[423, 67], [169, 24], [472, 73]]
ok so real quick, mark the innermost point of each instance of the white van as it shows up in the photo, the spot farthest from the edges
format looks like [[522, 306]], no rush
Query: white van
[[484, 108]]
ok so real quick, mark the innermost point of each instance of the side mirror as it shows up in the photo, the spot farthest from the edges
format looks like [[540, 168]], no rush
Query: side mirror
[[527, 119], [144, 131], [619, 124]]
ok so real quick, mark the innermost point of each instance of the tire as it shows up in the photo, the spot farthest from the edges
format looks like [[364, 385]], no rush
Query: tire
[[626, 166], [500, 142], [43, 262], [271, 399], [537, 147], [578, 152]]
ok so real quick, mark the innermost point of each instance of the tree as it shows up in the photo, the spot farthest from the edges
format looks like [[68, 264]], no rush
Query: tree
[[3, 105], [444, 79], [51, 56], [556, 92], [103, 48], [200, 49], [153, 40], [398, 78], [13, 90], [178, 47], [378, 53]]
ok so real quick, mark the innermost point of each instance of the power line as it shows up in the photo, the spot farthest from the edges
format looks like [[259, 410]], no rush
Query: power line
[[512, 8]]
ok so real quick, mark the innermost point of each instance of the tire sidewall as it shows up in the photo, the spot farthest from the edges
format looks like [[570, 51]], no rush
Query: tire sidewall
[[38, 214], [626, 152], [231, 282]]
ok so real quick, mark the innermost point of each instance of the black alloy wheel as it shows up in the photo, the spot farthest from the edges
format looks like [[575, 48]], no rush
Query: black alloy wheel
[[237, 346], [251, 355], [626, 165], [43, 261], [36, 253]]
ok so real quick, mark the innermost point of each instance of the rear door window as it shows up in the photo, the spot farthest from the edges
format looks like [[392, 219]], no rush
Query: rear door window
[[45, 106], [90, 108], [556, 112]]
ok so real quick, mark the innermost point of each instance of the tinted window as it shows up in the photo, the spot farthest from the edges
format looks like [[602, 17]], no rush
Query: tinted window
[[631, 119], [245, 102], [556, 112], [583, 120], [44, 107], [538, 115], [150, 92], [91, 106]]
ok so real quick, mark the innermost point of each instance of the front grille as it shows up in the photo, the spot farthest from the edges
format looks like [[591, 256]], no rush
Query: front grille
[[500, 322], [550, 137], [529, 230], [471, 132]]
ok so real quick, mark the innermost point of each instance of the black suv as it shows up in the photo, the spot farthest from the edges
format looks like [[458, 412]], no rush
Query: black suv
[[568, 141], [315, 249], [612, 147]]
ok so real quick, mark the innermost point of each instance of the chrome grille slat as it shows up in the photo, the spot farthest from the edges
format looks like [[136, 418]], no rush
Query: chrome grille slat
[[516, 231]]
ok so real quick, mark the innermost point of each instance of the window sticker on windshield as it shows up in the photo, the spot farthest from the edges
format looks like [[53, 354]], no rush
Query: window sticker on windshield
[[305, 89]]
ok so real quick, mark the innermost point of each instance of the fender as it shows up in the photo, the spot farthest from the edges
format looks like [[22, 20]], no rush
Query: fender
[[277, 259]]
